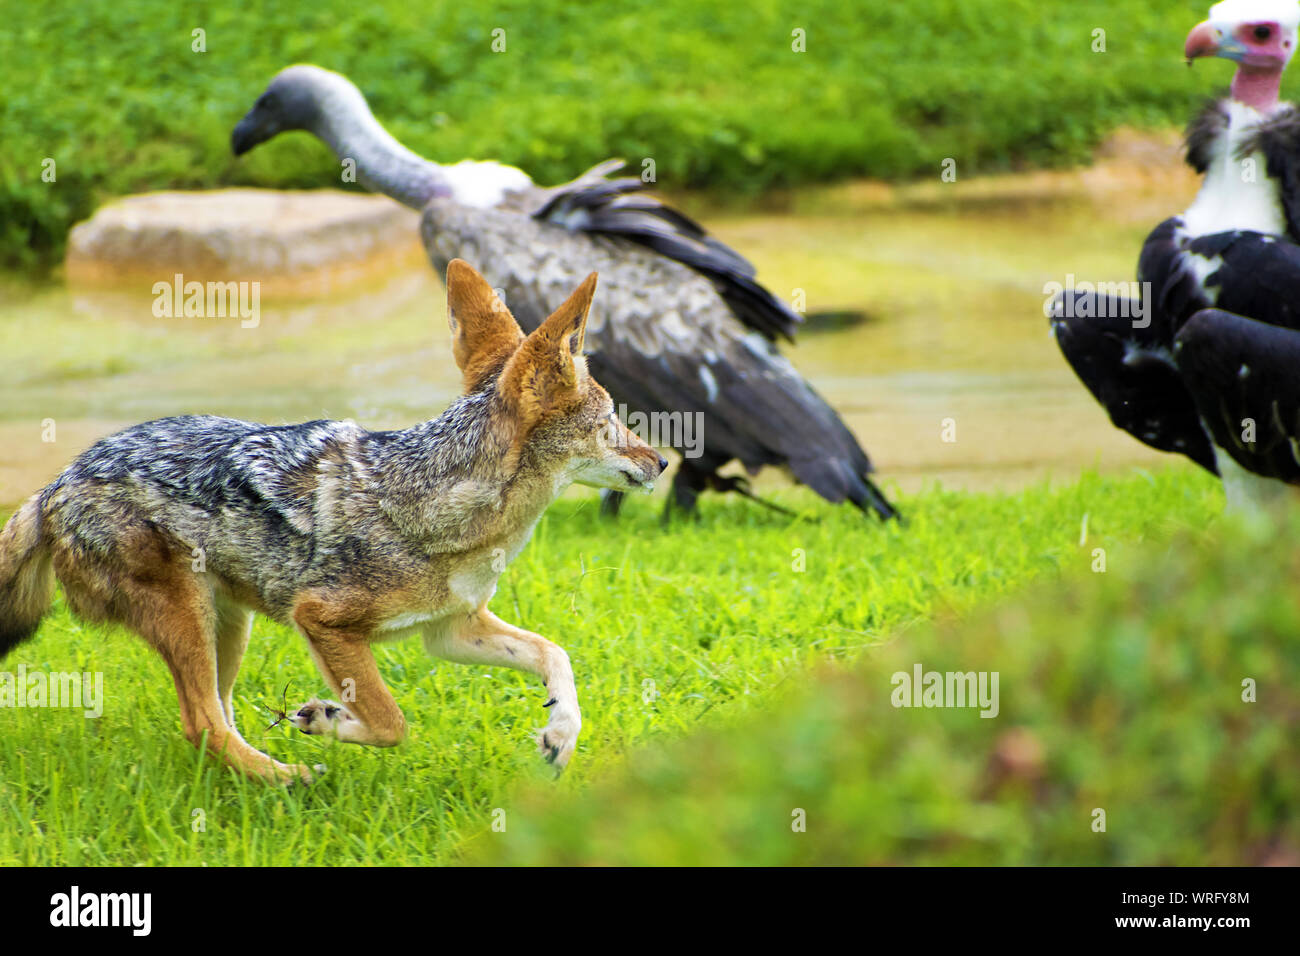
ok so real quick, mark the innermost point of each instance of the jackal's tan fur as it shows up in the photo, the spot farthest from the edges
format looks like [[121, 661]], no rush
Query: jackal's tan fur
[[182, 528]]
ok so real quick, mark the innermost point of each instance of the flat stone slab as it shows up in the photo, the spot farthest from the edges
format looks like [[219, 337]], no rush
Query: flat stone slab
[[305, 242]]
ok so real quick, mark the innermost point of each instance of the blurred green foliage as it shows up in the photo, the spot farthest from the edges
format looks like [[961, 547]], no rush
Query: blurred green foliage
[[1120, 691], [113, 92]]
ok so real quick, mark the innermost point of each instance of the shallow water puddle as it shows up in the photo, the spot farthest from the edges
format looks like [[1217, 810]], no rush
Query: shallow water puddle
[[954, 344]]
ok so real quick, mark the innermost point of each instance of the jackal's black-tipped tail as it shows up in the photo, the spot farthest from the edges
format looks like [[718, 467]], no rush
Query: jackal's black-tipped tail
[[26, 578]]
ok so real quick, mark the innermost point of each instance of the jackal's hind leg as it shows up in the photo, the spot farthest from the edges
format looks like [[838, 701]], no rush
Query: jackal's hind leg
[[174, 615], [234, 625], [486, 639], [142, 578]]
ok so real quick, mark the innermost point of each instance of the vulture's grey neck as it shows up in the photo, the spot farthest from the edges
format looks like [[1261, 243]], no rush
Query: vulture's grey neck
[[383, 164], [342, 118]]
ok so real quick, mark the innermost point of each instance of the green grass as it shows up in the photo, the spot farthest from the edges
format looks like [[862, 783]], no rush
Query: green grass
[[1121, 692], [113, 92], [716, 617]]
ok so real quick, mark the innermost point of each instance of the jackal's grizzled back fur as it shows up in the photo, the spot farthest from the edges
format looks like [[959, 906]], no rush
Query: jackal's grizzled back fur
[[26, 578], [273, 508]]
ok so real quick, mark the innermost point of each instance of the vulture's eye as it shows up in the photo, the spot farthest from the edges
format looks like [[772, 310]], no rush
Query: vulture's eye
[[1263, 33]]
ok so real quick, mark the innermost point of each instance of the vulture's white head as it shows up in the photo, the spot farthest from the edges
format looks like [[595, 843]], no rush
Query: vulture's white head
[[1260, 36]]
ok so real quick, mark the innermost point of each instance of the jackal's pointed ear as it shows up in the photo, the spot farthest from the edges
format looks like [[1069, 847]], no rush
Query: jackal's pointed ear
[[567, 326], [549, 368], [483, 332]]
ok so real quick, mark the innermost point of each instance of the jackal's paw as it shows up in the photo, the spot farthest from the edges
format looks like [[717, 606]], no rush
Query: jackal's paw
[[299, 774], [558, 738], [322, 717]]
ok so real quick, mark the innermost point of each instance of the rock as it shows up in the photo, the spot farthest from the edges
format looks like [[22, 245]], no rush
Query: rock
[[295, 243]]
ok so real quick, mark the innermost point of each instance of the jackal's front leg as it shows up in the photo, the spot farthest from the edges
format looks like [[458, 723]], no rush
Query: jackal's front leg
[[371, 716], [486, 639]]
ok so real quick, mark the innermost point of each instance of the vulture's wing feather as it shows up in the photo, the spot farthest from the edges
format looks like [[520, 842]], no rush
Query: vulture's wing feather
[[620, 207], [1241, 360], [1243, 374], [1253, 275], [1278, 139], [753, 406], [1128, 372]]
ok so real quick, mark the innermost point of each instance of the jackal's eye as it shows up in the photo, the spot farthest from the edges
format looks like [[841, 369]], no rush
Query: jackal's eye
[[1262, 33]]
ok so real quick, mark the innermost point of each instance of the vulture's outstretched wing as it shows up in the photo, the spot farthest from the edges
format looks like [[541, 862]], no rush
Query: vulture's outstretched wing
[[663, 342], [600, 205], [1130, 373], [1245, 377]]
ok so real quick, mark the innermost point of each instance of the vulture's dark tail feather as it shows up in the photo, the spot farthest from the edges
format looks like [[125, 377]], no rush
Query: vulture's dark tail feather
[[837, 480], [875, 500]]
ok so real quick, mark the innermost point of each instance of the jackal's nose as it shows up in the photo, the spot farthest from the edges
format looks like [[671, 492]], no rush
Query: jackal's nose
[[663, 463]]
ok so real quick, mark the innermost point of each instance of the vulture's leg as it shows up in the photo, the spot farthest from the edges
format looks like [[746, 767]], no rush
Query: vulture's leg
[[741, 486], [690, 481], [1131, 373], [1245, 378], [687, 485], [611, 502]]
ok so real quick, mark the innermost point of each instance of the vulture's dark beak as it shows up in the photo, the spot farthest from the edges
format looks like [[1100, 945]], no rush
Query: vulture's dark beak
[[250, 131]]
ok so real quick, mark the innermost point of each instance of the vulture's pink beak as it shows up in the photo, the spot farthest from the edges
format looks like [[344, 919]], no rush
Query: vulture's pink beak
[[1204, 40]]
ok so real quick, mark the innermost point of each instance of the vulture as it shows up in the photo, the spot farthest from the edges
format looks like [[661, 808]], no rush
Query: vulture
[[1204, 360], [682, 332]]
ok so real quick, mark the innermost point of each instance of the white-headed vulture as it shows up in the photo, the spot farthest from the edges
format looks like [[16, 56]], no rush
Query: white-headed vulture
[[1205, 360]]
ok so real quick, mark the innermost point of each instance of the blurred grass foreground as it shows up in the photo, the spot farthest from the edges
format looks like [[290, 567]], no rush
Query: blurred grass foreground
[[1147, 715]]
